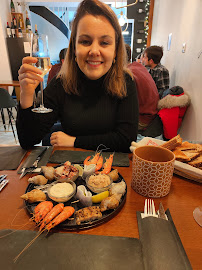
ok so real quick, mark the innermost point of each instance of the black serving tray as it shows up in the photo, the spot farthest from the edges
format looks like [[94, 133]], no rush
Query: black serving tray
[[71, 223]]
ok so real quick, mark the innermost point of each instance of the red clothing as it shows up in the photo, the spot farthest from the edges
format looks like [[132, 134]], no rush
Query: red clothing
[[171, 111], [54, 71], [148, 95]]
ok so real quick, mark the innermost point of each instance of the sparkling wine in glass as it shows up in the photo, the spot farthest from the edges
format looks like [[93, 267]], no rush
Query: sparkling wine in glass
[[39, 49]]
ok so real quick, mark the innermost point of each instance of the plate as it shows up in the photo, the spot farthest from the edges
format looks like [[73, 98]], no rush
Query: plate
[[71, 224]]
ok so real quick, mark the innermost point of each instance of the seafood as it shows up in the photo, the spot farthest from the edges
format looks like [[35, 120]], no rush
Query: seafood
[[88, 214], [97, 160], [48, 172], [114, 175], [41, 210], [67, 212], [67, 171], [58, 208], [118, 188], [111, 202], [38, 180], [108, 164], [84, 196], [34, 195]]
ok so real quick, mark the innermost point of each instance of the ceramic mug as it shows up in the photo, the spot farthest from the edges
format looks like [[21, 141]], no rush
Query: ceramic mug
[[152, 171]]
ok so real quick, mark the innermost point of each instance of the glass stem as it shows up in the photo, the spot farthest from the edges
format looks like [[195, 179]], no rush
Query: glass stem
[[41, 86]]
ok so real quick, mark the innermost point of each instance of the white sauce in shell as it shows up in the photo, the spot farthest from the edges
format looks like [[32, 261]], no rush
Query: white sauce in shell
[[61, 190]]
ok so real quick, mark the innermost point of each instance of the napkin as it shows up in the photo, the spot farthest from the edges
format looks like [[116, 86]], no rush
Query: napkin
[[33, 155], [60, 156], [10, 157], [69, 251], [161, 244]]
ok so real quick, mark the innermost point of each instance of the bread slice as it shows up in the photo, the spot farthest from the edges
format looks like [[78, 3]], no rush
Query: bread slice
[[181, 156], [173, 143], [197, 162], [190, 146], [192, 154]]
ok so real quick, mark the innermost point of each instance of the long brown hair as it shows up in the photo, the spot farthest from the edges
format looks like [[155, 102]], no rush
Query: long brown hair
[[114, 80]]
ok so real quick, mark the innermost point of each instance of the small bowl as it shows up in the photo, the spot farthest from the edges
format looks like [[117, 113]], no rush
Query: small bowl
[[67, 179], [65, 198], [98, 189]]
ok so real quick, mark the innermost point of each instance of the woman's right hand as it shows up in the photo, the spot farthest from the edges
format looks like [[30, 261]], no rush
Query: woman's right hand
[[29, 78]]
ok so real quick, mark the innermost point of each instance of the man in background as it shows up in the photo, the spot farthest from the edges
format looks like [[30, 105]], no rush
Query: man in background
[[56, 68], [148, 98], [151, 59]]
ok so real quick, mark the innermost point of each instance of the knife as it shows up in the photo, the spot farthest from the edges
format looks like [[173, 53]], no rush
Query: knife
[[34, 165], [162, 212]]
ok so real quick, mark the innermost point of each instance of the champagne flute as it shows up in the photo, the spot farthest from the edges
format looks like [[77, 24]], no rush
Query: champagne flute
[[39, 49]]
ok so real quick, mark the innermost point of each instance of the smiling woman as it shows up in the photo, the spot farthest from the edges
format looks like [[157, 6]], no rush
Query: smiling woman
[[94, 95], [95, 47]]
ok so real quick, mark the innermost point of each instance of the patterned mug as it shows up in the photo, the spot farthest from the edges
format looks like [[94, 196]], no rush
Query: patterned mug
[[152, 171]]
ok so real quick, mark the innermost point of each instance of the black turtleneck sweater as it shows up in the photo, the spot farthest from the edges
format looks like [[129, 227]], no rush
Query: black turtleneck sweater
[[94, 117]]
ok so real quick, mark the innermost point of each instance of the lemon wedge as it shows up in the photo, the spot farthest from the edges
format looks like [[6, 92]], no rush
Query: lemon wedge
[[80, 169], [99, 197]]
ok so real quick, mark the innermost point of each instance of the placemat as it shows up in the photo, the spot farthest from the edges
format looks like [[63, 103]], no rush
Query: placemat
[[161, 244], [34, 154], [69, 251], [10, 157], [60, 156]]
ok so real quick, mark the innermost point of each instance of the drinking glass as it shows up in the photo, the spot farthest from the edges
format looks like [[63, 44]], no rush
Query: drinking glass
[[39, 49]]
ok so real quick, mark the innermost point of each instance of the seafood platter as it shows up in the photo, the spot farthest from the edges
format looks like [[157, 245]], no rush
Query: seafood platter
[[75, 196]]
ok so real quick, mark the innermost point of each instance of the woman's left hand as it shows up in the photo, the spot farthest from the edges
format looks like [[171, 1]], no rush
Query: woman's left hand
[[62, 139]]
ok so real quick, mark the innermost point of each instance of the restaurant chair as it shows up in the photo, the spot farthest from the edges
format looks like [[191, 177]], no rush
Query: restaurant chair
[[7, 102]]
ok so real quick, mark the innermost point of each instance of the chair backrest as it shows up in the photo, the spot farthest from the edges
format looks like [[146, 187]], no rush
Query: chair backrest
[[6, 101]]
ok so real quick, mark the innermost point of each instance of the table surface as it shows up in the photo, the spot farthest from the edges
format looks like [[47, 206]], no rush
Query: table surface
[[9, 83], [183, 198]]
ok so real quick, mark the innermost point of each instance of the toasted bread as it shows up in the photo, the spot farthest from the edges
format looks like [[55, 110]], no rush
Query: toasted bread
[[173, 143], [197, 162], [192, 154], [179, 155], [190, 146]]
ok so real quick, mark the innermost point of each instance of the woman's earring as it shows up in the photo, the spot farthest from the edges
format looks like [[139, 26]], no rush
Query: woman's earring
[[75, 59], [114, 61]]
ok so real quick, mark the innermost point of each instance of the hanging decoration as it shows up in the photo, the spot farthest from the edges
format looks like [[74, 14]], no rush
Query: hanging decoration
[[146, 22]]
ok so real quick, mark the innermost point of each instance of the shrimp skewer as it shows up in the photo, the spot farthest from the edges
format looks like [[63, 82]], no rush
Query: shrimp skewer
[[41, 210], [107, 165], [97, 160], [67, 212], [58, 208]]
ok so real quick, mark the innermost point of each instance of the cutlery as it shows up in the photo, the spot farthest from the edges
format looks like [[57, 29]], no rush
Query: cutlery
[[2, 177], [34, 165], [161, 212], [197, 213], [149, 209], [3, 183]]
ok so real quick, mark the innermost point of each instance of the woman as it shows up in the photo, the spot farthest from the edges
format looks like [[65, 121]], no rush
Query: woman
[[93, 95]]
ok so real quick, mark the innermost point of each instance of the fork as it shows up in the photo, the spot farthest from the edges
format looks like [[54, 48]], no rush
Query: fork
[[149, 208]]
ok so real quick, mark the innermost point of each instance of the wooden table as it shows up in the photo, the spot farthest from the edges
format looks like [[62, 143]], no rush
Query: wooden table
[[16, 84], [184, 196]]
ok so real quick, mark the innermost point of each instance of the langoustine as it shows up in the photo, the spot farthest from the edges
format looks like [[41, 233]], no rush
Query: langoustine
[[48, 221]]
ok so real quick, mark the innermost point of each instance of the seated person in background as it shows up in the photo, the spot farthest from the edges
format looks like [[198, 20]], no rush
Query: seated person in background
[[151, 59], [94, 95], [56, 68], [148, 96]]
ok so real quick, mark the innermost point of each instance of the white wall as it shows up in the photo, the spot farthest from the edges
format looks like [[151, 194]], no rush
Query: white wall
[[5, 72], [182, 18]]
